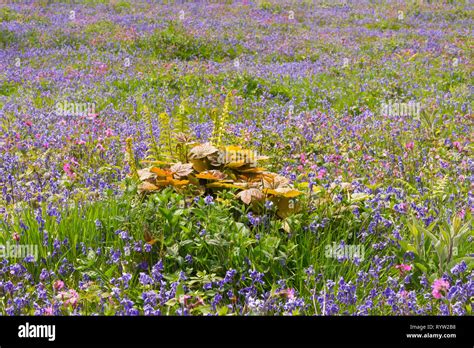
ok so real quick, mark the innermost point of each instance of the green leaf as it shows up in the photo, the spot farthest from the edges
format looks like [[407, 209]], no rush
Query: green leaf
[[171, 302], [110, 271], [179, 291], [421, 267], [223, 310]]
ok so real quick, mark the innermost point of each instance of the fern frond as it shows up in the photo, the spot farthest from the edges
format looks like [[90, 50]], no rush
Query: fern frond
[[165, 134], [439, 188]]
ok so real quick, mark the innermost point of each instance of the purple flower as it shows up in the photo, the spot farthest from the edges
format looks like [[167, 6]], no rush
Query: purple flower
[[156, 271], [229, 275], [125, 278], [209, 200], [459, 268], [123, 235], [256, 277], [269, 205], [115, 255], [145, 279], [44, 275]]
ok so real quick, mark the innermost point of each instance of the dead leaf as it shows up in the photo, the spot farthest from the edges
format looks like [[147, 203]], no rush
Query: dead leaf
[[202, 151], [147, 186], [211, 175], [283, 192], [200, 165], [148, 237], [225, 185], [255, 170], [161, 172], [250, 195], [180, 170], [145, 174], [274, 181]]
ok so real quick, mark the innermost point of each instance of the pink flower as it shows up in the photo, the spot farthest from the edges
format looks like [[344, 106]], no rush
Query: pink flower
[[404, 268], [71, 297], [58, 285], [321, 173], [101, 68], [403, 294], [48, 311], [410, 145], [458, 146], [67, 168], [183, 299], [303, 158], [16, 237], [109, 132], [290, 293], [72, 300], [403, 207], [439, 285]]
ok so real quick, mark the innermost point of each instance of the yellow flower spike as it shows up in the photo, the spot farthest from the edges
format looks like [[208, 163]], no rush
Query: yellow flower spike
[[131, 157]]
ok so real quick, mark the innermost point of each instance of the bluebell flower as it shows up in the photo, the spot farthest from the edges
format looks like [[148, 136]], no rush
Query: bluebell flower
[[188, 258], [459, 268], [209, 200], [145, 279], [269, 205]]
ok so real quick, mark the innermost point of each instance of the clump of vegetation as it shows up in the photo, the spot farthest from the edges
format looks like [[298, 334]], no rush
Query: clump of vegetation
[[205, 168], [175, 42]]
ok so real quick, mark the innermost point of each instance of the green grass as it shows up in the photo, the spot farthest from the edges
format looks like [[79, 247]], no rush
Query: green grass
[[175, 42]]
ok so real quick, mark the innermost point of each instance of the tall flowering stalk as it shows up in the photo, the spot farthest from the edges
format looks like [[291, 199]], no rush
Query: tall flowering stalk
[[153, 144], [131, 157], [182, 119], [220, 123], [182, 136]]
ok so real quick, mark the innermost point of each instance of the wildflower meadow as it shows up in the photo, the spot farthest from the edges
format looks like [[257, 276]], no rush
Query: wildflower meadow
[[236, 158]]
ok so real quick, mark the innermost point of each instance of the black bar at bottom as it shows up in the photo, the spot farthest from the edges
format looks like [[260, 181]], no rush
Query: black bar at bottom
[[170, 331]]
